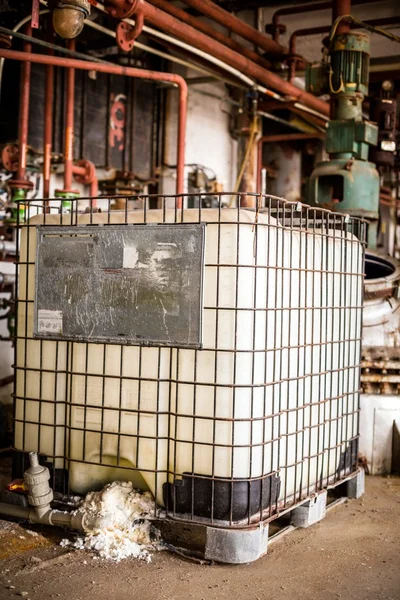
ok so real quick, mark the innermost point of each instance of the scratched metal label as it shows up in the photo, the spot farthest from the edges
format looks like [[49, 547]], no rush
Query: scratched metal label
[[120, 284]]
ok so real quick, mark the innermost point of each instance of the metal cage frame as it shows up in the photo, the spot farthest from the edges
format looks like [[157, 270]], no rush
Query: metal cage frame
[[261, 498]]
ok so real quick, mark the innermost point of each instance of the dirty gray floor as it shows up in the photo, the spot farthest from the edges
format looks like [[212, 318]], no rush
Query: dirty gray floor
[[354, 554]]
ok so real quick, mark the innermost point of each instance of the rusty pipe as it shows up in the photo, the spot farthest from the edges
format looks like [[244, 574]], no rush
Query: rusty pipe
[[280, 137], [24, 109], [339, 9], [48, 119], [197, 39], [84, 172], [210, 31], [126, 35], [69, 124], [312, 7], [218, 14], [302, 8], [127, 72], [381, 22]]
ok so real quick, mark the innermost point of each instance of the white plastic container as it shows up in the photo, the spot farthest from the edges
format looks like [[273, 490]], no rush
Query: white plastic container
[[274, 390]]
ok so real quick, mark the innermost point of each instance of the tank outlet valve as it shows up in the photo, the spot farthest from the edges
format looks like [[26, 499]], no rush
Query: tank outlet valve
[[36, 480]]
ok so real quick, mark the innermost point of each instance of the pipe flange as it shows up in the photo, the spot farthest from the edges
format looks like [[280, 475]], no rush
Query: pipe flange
[[10, 157], [121, 9], [124, 36], [20, 184], [89, 175]]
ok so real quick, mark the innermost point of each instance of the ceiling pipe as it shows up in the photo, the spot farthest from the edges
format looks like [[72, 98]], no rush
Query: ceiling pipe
[[197, 39], [276, 27], [294, 58], [341, 8], [218, 14], [125, 72], [208, 30]]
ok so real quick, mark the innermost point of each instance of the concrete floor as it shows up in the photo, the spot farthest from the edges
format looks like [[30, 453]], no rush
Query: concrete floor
[[352, 554]]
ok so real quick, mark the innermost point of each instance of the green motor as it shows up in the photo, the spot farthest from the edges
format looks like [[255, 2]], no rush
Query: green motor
[[347, 182]]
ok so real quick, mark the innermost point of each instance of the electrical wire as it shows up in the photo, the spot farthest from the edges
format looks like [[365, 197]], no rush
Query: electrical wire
[[15, 29], [371, 28]]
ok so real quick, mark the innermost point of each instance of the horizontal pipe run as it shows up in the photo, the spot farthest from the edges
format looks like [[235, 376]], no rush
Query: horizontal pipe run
[[210, 31], [311, 7], [194, 37], [52, 517], [218, 14], [125, 72]]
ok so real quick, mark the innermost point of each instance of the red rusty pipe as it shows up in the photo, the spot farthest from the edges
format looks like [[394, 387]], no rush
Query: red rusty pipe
[[302, 8], [126, 35], [127, 72], [384, 21], [210, 31], [24, 109], [48, 119], [85, 172], [218, 14], [197, 39], [339, 9], [312, 7], [69, 124], [279, 137]]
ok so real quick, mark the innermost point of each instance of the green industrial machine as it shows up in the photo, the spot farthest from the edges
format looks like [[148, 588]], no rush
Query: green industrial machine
[[347, 182]]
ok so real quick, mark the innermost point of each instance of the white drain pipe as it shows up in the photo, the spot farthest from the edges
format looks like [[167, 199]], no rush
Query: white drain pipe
[[40, 495]]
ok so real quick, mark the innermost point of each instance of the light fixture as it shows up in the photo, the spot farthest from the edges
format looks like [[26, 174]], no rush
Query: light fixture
[[69, 17]]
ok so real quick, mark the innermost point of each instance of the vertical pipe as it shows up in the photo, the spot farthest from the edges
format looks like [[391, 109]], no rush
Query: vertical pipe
[[48, 119], [340, 8], [69, 124], [24, 109], [111, 68]]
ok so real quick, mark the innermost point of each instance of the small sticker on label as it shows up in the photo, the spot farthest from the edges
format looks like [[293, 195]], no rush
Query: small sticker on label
[[50, 321], [131, 257]]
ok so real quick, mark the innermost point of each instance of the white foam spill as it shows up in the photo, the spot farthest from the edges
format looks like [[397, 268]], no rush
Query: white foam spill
[[118, 523]]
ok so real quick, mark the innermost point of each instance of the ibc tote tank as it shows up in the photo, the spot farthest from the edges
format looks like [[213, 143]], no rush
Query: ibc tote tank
[[211, 356]]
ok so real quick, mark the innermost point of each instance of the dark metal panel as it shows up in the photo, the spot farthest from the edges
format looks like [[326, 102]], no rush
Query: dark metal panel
[[138, 284]]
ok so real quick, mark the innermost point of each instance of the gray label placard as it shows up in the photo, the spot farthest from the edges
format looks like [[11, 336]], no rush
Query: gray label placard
[[125, 284]]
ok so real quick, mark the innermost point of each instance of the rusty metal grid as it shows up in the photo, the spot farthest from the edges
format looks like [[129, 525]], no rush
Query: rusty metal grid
[[304, 251]]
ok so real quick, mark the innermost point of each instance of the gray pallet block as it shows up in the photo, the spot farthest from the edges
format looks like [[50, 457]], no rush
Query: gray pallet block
[[310, 512], [355, 487], [229, 546]]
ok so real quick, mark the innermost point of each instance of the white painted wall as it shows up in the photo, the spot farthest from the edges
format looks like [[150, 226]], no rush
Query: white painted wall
[[6, 349], [208, 141], [376, 430]]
